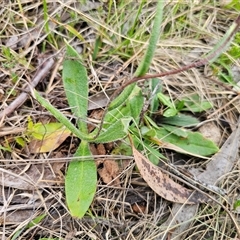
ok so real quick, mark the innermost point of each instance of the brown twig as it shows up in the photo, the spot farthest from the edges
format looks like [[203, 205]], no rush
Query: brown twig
[[41, 72]]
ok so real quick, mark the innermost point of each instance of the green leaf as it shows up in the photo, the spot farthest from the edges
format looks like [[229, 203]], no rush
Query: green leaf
[[150, 132], [154, 103], [81, 182], [40, 130], [29, 225], [236, 204], [194, 143], [156, 30], [115, 132], [165, 100], [130, 108], [36, 220], [170, 112], [234, 4], [61, 117], [181, 120], [194, 103], [135, 102], [176, 130], [119, 100], [75, 83], [152, 153]]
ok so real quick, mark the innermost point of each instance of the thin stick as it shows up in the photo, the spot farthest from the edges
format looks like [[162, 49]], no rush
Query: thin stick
[[38, 76]]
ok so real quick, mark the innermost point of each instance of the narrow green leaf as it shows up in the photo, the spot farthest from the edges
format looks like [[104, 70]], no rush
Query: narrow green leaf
[[122, 97], [150, 132], [29, 225], [198, 107], [194, 103], [152, 153], [36, 220], [61, 117], [147, 59], [80, 182], [154, 83], [75, 83]]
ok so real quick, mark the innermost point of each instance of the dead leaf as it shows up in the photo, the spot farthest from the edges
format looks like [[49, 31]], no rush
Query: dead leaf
[[47, 137], [109, 173], [163, 185]]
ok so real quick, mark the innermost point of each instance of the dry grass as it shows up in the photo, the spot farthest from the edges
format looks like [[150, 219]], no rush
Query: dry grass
[[131, 210]]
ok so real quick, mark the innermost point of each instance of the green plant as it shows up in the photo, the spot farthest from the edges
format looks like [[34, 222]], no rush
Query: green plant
[[81, 176], [31, 224], [191, 103]]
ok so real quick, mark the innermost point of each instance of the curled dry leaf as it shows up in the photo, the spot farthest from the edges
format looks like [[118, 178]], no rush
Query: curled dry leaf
[[163, 185], [110, 168], [109, 173]]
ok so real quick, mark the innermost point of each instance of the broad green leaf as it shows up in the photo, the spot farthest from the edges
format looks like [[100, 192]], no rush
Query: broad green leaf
[[81, 181], [75, 82], [116, 131], [171, 112], [194, 143], [181, 120], [20, 141], [176, 130]]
